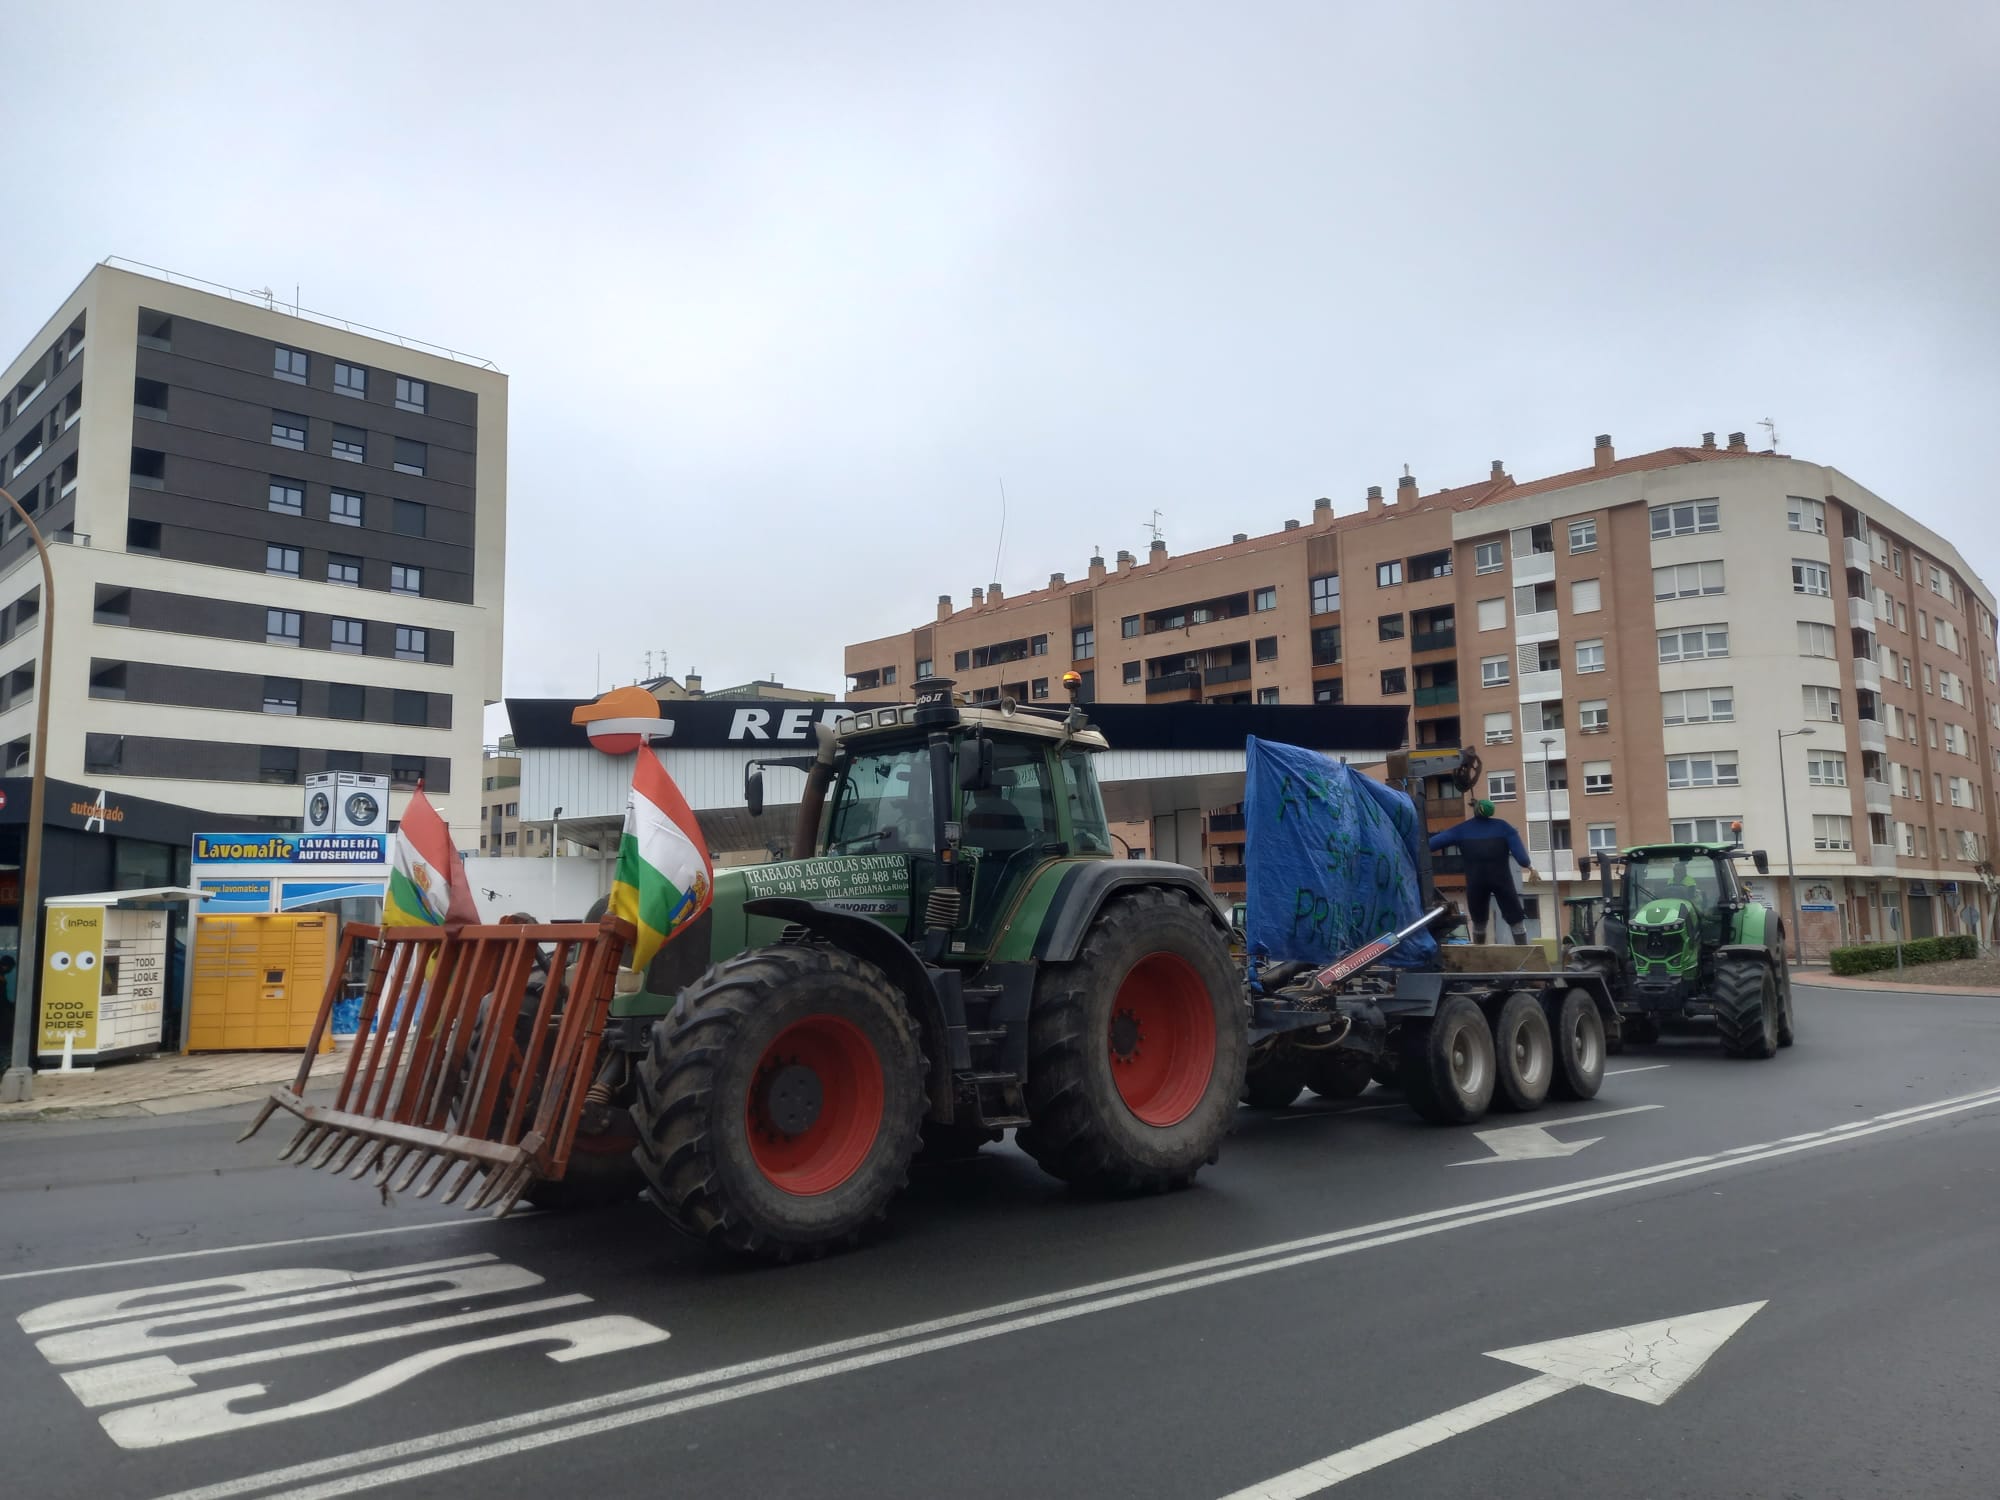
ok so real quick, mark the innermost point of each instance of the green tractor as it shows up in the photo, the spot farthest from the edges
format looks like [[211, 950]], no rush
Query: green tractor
[[952, 951], [1684, 941]]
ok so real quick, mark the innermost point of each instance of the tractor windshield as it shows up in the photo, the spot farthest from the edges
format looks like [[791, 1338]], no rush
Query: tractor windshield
[[883, 803], [1659, 876]]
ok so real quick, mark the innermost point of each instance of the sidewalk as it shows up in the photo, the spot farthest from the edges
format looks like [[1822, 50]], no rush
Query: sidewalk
[[168, 1084], [1911, 985]]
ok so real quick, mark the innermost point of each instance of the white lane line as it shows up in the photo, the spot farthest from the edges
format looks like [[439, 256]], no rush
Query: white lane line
[[308, 1239], [798, 1368], [1649, 1068]]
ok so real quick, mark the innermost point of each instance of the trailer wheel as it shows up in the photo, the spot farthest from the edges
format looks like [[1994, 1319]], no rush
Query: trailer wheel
[[1619, 1030], [778, 1106], [1578, 1031], [1276, 1077], [1525, 1049], [1136, 1049], [1746, 1007], [1449, 1065], [1338, 1073]]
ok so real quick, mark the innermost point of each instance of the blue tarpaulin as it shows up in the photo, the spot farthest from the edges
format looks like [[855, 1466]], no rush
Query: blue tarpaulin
[[1331, 856]]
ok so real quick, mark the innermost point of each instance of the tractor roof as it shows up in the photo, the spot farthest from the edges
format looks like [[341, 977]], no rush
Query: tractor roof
[[1681, 851], [1034, 723]]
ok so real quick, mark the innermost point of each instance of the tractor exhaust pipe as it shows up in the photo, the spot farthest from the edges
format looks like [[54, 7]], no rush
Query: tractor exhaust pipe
[[805, 833]]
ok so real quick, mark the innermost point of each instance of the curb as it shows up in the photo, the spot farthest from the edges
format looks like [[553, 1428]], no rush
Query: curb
[[1832, 982]]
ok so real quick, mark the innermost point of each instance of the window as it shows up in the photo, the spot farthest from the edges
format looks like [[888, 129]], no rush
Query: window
[[343, 570], [287, 497], [411, 457], [1586, 596], [1937, 582], [1082, 642], [1500, 729], [1593, 715], [410, 519], [1583, 536], [1325, 692], [350, 443], [1709, 705], [1923, 626], [1495, 671], [1590, 656], [346, 700], [1388, 574], [1716, 769], [1705, 830], [1492, 614], [412, 709], [278, 764], [343, 508], [406, 775], [412, 395], [1326, 645], [1394, 680], [1267, 648], [1430, 565], [1689, 580], [289, 364], [1902, 617], [1536, 718], [1933, 734], [1500, 786], [1267, 695], [1388, 627], [412, 644], [1265, 599], [404, 579], [1927, 680], [1686, 519], [1133, 671], [1815, 639], [350, 380], [281, 695], [1489, 557], [1810, 577], [1802, 514], [1540, 539], [1326, 593], [283, 561], [288, 430], [1826, 768], [281, 627], [1601, 838], [1039, 688], [1037, 645], [1896, 561], [1822, 703], [962, 661], [1596, 777], [1833, 831], [888, 676], [350, 637], [1129, 626], [103, 754], [108, 681], [924, 668]]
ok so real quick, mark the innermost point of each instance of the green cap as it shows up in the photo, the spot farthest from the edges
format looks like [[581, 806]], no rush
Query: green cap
[[1482, 808]]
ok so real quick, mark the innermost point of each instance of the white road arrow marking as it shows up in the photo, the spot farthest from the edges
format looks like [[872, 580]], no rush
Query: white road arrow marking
[[1534, 1143], [1646, 1361]]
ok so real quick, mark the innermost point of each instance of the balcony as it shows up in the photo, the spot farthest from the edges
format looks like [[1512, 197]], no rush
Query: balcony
[[1871, 735], [1228, 875], [1867, 675], [1541, 626], [1225, 823], [1534, 567], [1538, 687], [1536, 805], [1883, 856], [1532, 748], [1860, 614], [1236, 672], [1435, 640], [1173, 682], [1875, 795], [1856, 553], [1431, 697]]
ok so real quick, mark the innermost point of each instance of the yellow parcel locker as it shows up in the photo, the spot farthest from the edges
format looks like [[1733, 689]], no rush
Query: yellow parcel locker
[[258, 981]]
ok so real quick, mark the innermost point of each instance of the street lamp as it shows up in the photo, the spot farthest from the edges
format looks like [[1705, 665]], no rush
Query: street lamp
[[1791, 875], [17, 1084], [1555, 884]]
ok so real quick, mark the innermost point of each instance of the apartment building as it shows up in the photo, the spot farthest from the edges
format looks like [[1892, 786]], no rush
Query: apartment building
[[1623, 645], [279, 547]]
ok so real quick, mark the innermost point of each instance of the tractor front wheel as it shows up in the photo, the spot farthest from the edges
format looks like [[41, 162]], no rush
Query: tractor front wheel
[[1746, 1007], [778, 1106], [1136, 1049], [1276, 1077]]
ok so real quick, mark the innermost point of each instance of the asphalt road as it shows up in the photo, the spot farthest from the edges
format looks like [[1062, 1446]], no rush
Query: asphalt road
[[1340, 1277]]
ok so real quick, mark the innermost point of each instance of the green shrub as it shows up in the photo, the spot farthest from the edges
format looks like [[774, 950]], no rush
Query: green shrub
[[1870, 958]]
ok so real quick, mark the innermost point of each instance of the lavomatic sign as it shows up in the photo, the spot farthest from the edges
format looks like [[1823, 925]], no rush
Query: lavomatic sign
[[291, 848], [72, 979]]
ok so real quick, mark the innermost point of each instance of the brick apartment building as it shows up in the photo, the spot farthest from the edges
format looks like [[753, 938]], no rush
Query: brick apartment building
[[1622, 644]]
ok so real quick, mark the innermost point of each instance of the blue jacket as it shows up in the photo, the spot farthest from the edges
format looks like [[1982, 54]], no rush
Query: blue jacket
[[1484, 841]]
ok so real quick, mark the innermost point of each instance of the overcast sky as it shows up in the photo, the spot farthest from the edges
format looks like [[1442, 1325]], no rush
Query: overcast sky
[[785, 292]]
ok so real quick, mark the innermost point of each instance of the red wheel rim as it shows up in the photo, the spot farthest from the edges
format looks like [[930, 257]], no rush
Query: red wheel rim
[[831, 1147], [1162, 1039]]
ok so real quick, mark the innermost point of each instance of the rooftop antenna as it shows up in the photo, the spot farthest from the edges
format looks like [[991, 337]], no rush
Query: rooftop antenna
[[1153, 525], [1000, 545], [1772, 428]]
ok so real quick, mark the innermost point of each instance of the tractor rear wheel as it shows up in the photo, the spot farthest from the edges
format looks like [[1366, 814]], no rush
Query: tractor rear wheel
[[1337, 1073], [1449, 1066], [1276, 1077], [1136, 1050], [1746, 1007], [1525, 1050], [778, 1106], [1577, 1027]]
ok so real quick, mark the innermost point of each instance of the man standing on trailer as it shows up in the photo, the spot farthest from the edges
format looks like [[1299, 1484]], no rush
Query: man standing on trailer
[[1487, 843]]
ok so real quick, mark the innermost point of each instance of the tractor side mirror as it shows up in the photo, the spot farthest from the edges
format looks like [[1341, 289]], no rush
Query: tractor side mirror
[[1761, 860], [975, 763], [753, 790]]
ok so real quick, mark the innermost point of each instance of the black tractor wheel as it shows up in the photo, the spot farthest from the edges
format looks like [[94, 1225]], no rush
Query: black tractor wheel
[[1577, 1028], [1449, 1066], [1746, 1007], [1136, 1050], [955, 1142], [1336, 1073], [778, 1106], [1786, 1034], [1276, 1077], [1525, 1050]]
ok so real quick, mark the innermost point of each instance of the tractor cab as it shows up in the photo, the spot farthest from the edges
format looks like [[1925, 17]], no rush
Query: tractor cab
[[1667, 909]]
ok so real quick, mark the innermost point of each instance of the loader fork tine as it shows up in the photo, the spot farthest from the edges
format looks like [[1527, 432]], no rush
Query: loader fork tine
[[465, 1180], [298, 1140]]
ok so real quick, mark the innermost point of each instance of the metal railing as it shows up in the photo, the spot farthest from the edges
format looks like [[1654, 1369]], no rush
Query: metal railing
[[1235, 672], [1172, 682], [1435, 640], [1431, 697]]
